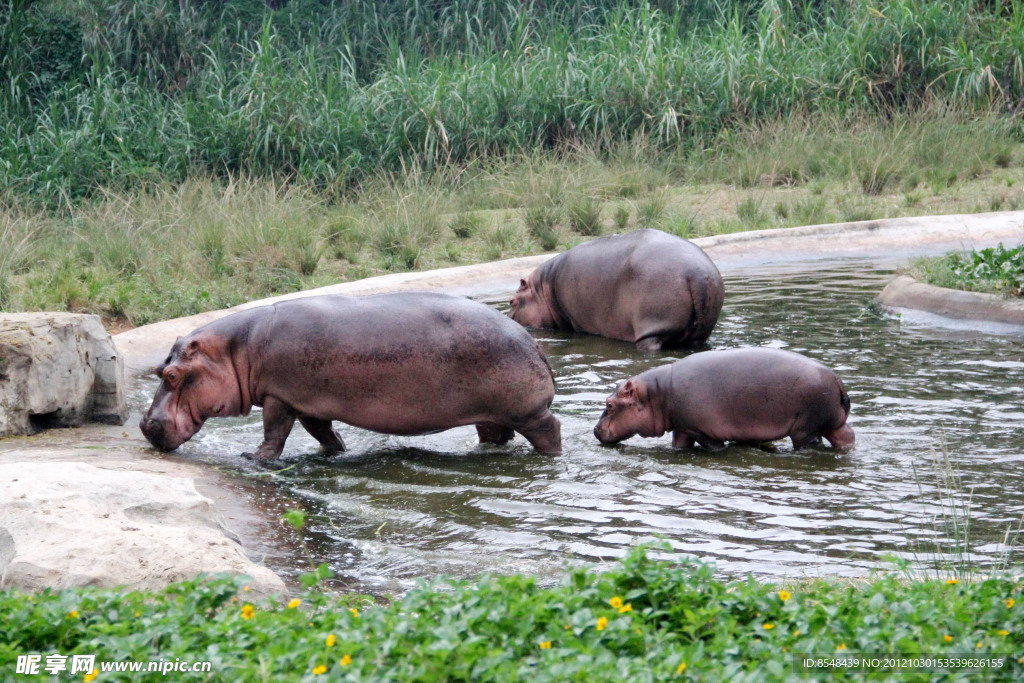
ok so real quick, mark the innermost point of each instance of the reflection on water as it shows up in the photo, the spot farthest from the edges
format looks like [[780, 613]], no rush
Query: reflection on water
[[396, 508]]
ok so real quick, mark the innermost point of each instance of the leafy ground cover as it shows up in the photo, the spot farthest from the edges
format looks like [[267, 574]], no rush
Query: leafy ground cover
[[997, 270], [642, 620]]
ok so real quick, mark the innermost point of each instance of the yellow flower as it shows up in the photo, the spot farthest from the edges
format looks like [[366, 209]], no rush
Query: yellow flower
[[979, 644], [785, 649], [346, 660], [294, 603], [331, 639], [354, 611], [138, 614], [796, 633], [234, 598], [1004, 632], [948, 638], [546, 645], [247, 611], [601, 623], [320, 670], [952, 582], [768, 627], [681, 668], [615, 602], [567, 627], [1010, 603], [246, 589], [840, 647], [73, 614], [91, 676], [784, 595], [628, 607]]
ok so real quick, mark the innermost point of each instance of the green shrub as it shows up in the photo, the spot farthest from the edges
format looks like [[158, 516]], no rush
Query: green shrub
[[996, 269]]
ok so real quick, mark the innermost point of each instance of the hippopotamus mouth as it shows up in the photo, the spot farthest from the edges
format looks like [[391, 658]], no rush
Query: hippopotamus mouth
[[604, 437], [168, 434]]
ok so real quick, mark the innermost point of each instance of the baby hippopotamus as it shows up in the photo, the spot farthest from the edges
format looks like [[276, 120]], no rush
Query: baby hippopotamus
[[748, 395], [648, 287], [409, 363]]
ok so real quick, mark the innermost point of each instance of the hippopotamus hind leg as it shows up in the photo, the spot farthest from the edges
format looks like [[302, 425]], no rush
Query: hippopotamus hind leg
[[544, 432], [322, 432], [681, 439], [278, 419], [713, 445], [494, 433], [842, 438], [648, 344]]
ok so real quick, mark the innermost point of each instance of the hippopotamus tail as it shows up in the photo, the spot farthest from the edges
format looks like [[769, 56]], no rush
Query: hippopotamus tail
[[844, 398], [544, 358], [706, 301]]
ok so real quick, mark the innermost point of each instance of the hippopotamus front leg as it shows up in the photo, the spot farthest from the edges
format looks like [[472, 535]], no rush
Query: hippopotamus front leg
[[278, 420], [494, 433], [321, 430]]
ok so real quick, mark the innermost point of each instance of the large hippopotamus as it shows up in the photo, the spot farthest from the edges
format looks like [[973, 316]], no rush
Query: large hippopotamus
[[648, 287], [410, 363], [749, 395]]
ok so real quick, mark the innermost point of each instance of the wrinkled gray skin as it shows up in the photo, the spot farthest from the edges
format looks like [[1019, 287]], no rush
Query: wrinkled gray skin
[[647, 287], [752, 396], [410, 363]]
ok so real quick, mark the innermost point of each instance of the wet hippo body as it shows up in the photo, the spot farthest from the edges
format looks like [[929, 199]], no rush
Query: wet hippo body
[[410, 363], [647, 287], [750, 395]]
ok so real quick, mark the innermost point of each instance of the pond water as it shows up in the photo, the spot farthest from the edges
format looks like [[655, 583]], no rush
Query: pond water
[[394, 509]]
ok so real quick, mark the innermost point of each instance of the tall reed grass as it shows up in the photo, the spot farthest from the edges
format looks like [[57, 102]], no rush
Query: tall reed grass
[[121, 95]]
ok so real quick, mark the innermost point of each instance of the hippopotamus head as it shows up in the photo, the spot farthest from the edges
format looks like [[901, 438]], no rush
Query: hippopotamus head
[[628, 412], [197, 380], [528, 306]]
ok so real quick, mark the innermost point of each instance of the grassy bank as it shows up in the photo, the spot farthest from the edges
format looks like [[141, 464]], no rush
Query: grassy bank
[[997, 270], [643, 620], [161, 158], [173, 249]]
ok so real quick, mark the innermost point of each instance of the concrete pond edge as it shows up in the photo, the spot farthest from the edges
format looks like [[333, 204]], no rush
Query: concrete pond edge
[[905, 292]]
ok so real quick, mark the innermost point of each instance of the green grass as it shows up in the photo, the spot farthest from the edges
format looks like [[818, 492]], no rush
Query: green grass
[[997, 270], [641, 620], [172, 249]]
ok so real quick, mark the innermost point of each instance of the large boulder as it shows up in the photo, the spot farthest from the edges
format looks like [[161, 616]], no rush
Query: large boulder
[[57, 370], [67, 524]]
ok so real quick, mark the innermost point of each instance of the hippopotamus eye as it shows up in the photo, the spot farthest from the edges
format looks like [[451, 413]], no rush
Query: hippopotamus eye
[[171, 376]]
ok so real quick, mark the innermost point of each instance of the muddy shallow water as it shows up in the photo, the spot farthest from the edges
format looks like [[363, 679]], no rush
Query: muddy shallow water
[[393, 509]]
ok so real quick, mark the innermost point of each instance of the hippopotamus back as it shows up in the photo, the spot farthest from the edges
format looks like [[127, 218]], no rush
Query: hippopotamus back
[[648, 287]]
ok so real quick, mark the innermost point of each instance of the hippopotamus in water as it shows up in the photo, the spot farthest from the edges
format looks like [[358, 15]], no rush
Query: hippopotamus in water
[[647, 287], [410, 363], [744, 395]]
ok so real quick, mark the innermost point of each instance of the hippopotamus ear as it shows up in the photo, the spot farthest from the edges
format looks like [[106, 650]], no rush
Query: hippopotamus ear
[[628, 389], [190, 351], [522, 285]]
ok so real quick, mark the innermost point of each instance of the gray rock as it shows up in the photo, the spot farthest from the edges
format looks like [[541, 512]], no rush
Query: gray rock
[[58, 370], [68, 524]]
